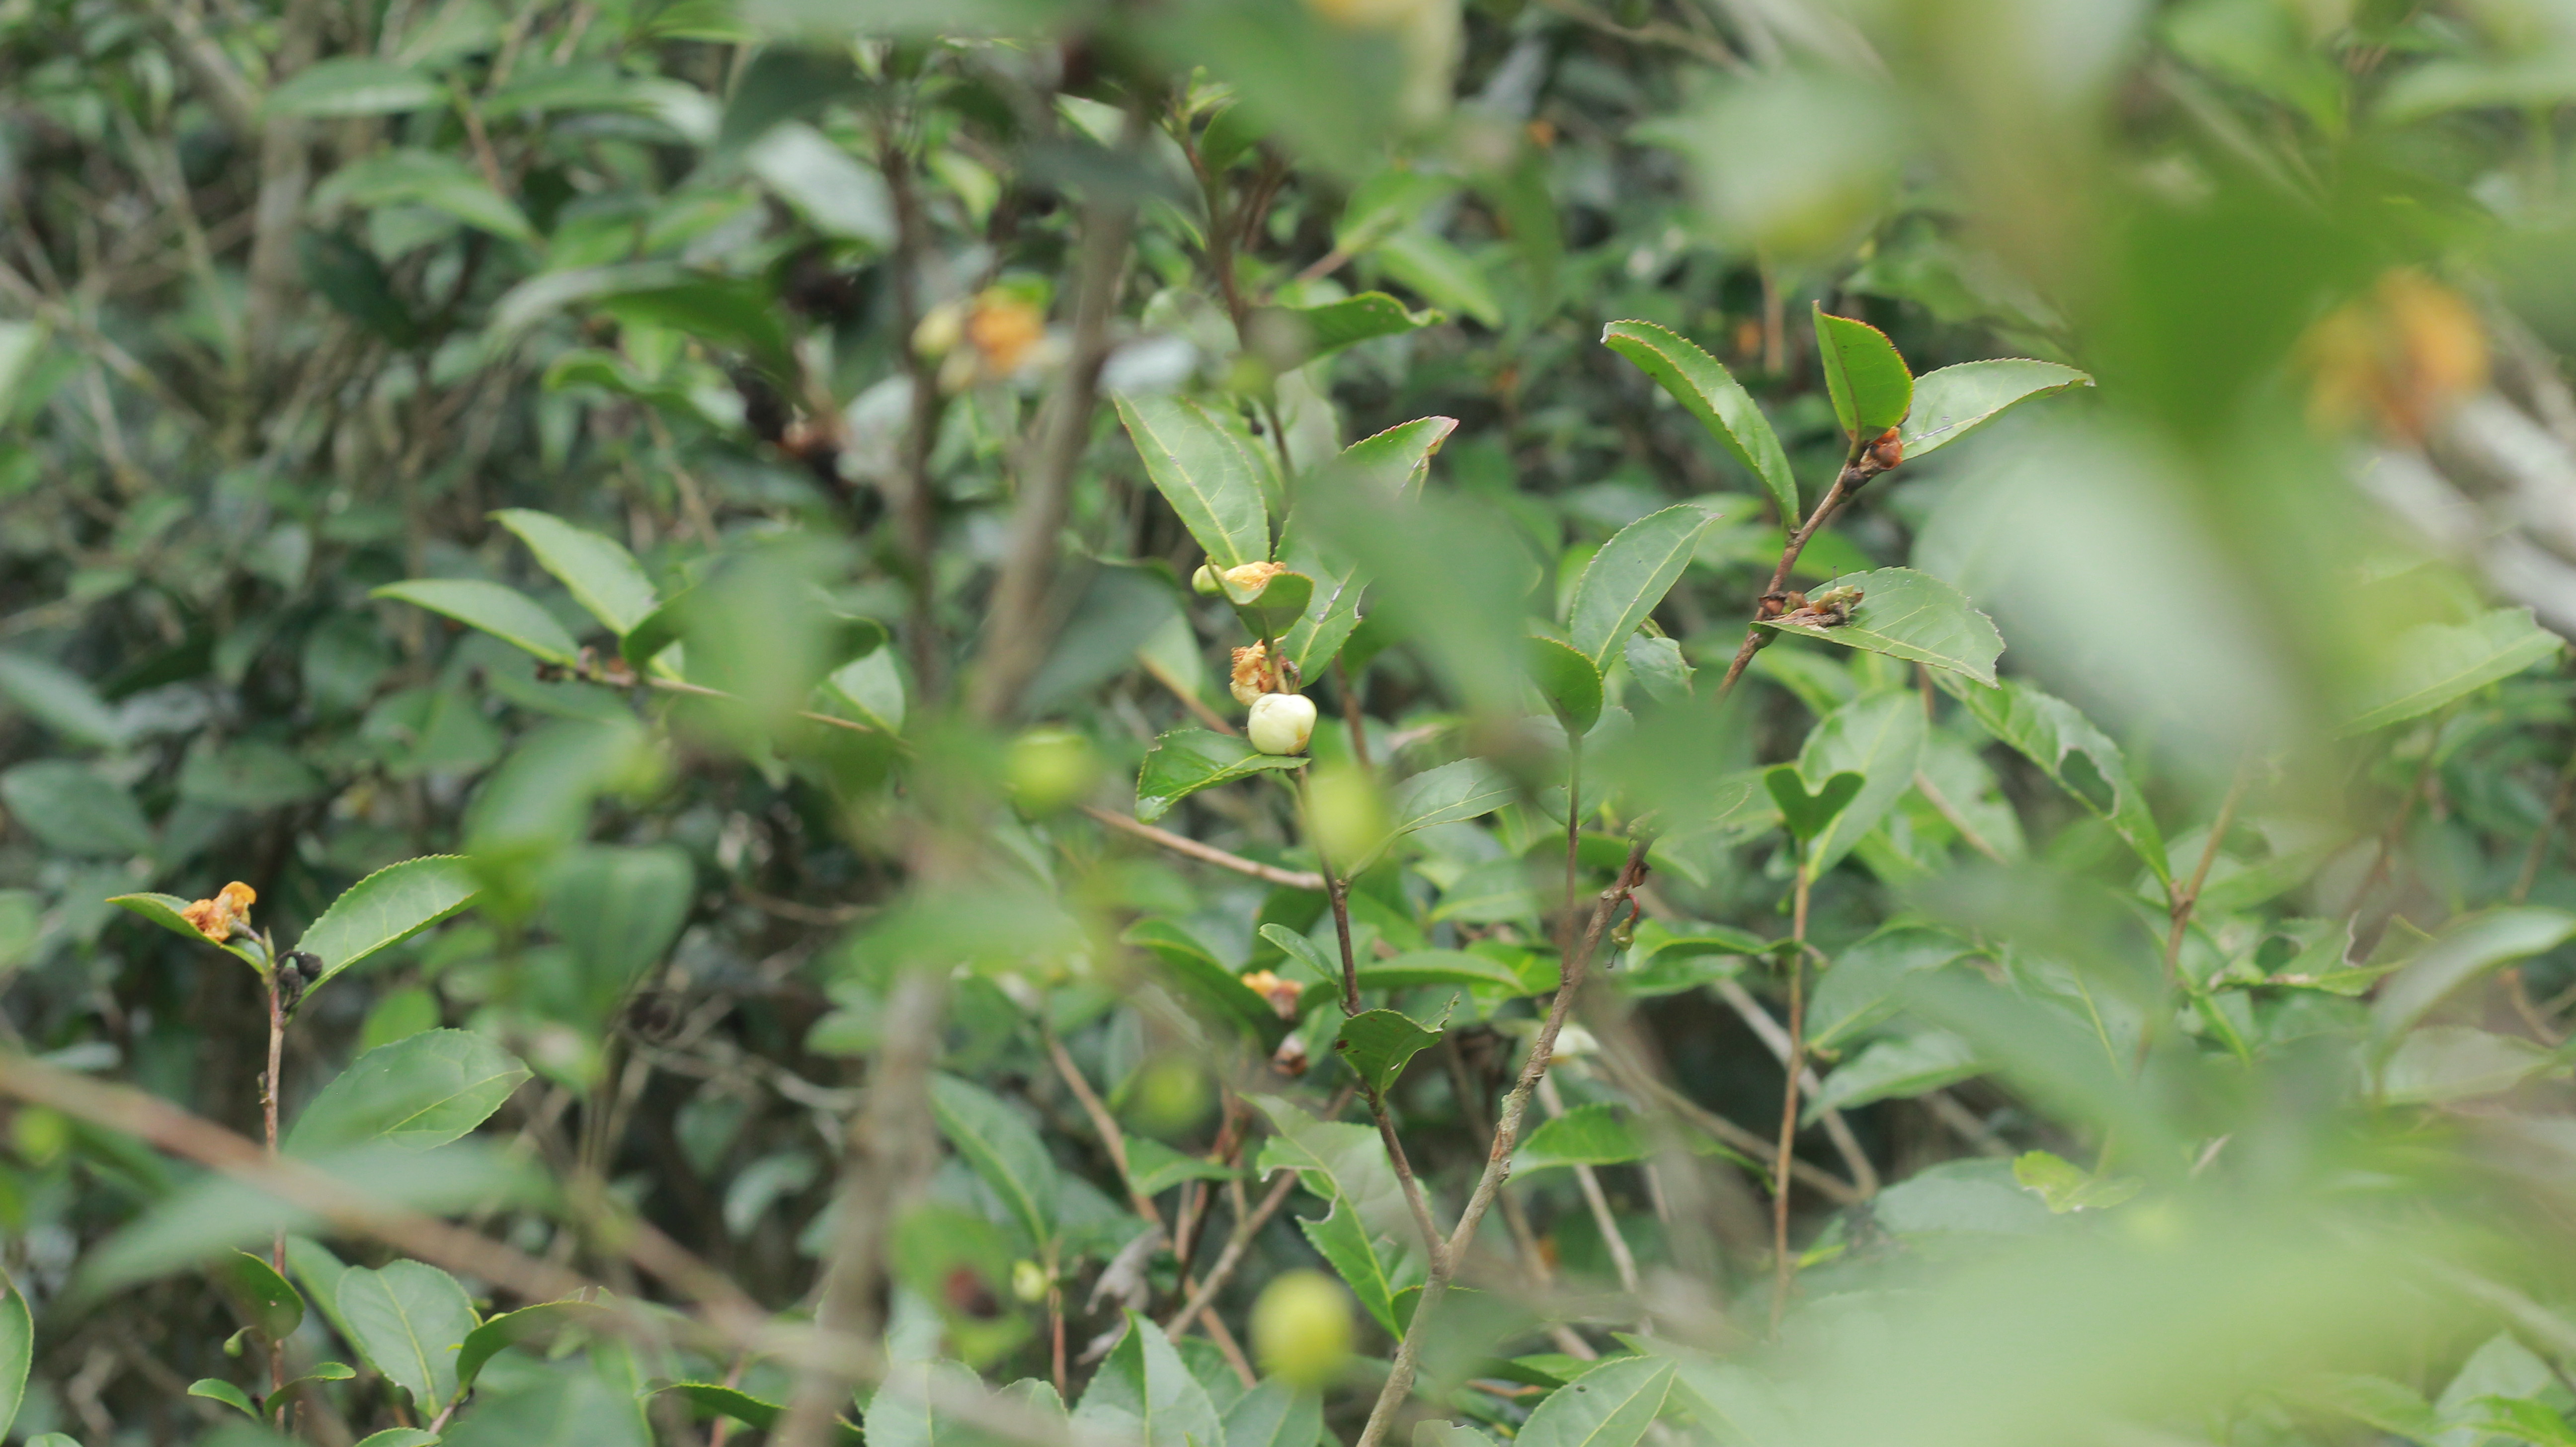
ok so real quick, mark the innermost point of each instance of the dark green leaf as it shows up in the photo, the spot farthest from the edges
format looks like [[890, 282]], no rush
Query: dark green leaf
[[1629, 576], [1588, 1135], [1710, 393], [72, 807], [434, 179], [2080, 758], [1610, 1405], [1898, 1066], [1218, 991], [1184, 761], [617, 910], [399, 1437], [1153, 1167], [410, 1320], [388, 907], [247, 774], [265, 1298], [1211, 473], [225, 1392], [350, 277], [60, 699], [1954, 401], [1307, 332], [1438, 967], [505, 613], [528, 1326], [1913, 616], [163, 910], [1376, 1044], [354, 86], [1273, 608], [1274, 1414], [419, 1092], [1860, 989], [1871, 388]]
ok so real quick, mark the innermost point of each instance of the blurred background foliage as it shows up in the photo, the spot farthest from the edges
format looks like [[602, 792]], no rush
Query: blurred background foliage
[[2186, 1023]]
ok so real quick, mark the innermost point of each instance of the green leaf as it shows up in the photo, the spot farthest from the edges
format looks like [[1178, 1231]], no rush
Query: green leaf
[[1276, 606], [1274, 1414], [1588, 1135], [163, 910], [246, 774], [1658, 667], [1466, 789], [388, 907], [434, 179], [1144, 1393], [505, 613], [1376, 1044], [322, 1372], [267, 1301], [2075, 755], [2375, 1401], [1441, 273], [2432, 664], [2066, 1186], [604, 578], [1438, 967], [1805, 814], [739, 313], [2521, 1419], [1308, 332], [1629, 576], [1954, 401], [354, 86], [349, 276], [528, 1326], [1610, 1405], [410, 1320], [1860, 989], [617, 910], [2438, 1063], [225, 1392], [1366, 1236], [2469, 950], [1368, 1262], [1913, 616], [1395, 462], [1003, 1148], [731, 1402], [1184, 761], [574, 1404], [17, 1350], [901, 1413], [73, 808], [1898, 1066], [1210, 473], [1202, 979], [1871, 388], [419, 1092], [873, 689], [398, 1437], [1568, 681], [1709, 392], [61, 700], [1153, 1167]]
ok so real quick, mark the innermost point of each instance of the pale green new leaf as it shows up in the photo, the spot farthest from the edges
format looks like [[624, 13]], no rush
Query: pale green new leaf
[[1376, 1044], [1869, 383], [1954, 401]]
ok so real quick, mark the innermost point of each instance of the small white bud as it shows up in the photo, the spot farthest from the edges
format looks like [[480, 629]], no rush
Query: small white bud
[[1281, 723]]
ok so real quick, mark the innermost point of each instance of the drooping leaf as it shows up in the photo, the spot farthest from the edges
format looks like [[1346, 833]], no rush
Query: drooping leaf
[[2392, 1407], [2468, 950], [1004, 1150], [1871, 387], [1144, 1393], [1309, 332], [1913, 616], [2432, 664], [1569, 682], [1376, 1044], [1610, 1405], [267, 1300], [388, 907], [1184, 761], [1878, 736], [164, 910], [410, 1320], [247, 774], [1709, 392], [1438, 967], [1445, 275], [1367, 1235], [1806, 814], [1659, 668], [399, 1437], [1203, 980], [216, 1390], [617, 911], [1209, 472], [903, 1414], [2080, 758], [2437, 1063], [419, 1092], [505, 613], [1629, 576], [322, 1372], [1276, 606], [528, 1326], [60, 699], [603, 577], [574, 1405], [1956, 400]]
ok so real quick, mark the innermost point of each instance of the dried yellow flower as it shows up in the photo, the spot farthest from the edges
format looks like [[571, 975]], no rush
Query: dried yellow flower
[[1282, 994], [1254, 674], [1002, 329], [217, 918]]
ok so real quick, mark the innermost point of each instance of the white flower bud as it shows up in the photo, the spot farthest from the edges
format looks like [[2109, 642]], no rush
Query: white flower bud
[[1281, 723]]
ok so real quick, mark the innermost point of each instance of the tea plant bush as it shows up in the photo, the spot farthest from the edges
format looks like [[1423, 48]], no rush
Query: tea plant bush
[[1255, 723]]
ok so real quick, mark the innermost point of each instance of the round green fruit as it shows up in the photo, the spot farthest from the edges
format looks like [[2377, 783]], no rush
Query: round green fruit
[[1301, 1329]]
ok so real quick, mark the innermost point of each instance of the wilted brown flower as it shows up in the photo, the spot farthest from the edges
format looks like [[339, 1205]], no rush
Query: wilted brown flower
[[2399, 357], [216, 918], [1282, 994], [1254, 674], [1002, 328]]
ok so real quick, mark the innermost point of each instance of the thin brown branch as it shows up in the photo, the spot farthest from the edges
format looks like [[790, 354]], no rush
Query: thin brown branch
[[916, 505], [1207, 853], [1189, 698], [2179, 904], [1222, 1269], [1751, 1143], [1498, 1160], [1588, 1181], [2533, 856], [1941, 805]]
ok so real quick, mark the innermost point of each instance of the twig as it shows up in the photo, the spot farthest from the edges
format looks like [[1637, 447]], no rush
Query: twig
[[1222, 1268], [2180, 904], [1114, 1141], [1941, 804], [1751, 1143], [1858, 469], [1776, 1040], [1793, 1064], [1498, 1160], [917, 507], [268, 1092], [2548, 830], [1197, 706], [1471, 1104], [1020, 626], [1352, 717], [1207, 853], [889, 1156]]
